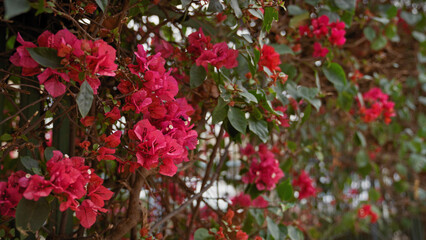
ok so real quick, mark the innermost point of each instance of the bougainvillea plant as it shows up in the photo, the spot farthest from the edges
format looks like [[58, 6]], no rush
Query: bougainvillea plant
[[212, 119]]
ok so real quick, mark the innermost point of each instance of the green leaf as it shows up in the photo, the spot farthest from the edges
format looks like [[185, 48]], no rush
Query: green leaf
[[362, 159], [270, 15], [48, 153], [248, 96], [294, 233], [294, 10], [15, 7], [220, 111], [237, 119], [256, 12], [379, 43], [285, 191], [47, 57], [237, 10], [361, 139], [373, 194], [30, 164], [419, 36], [417, 162], [296, 21], [345, 100], [348, 5], [31, 215], [6, 137], [273, 228], [410, 18], [258, 215], [260, 128], [197, 75], [369, 33], [102, 4], [335, 74], [215, 6], [309, 95], [85, 98], [282, 49], [202, 234]]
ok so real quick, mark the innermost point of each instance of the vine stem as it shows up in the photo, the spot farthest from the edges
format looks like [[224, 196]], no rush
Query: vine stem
[[202, 191]]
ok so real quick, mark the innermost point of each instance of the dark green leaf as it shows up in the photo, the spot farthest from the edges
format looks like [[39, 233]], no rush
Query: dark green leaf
[[102, 4], [220, 111], [411, 18], [362, 159], [197, 75], [237, 10], [47, 57], [369, 33], [30, 163], [15, 7], [48, 153], [6, 137], [273, 228], [294, 233], [335, 74], [215, 6], [309, 95], [294, 10], [417, 162], [85, 98], [379, 43], [361, 139], [282, 49], [270, 15], [345, 100], [285, 191], [202, 234], [248, 96], [256, 12], [258, 215], [260, 128], [296, 21], [237, 119], [31, 215], [345, 4]]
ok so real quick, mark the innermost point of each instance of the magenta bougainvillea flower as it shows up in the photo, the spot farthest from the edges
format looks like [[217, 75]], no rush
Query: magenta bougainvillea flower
[[264, 170], [82, 60], [305, 185]]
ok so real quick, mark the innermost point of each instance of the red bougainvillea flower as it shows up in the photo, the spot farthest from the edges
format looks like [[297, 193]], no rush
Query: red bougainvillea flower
[[219, 56], [366, 211], [113, 115], [198, 42], [264, 171], [241, 200], [87, 213], [260, 202], [269, 58], [305, 184], [50, 79], [319, 51], [11, 192], [320, 26], [376, 104], [22, 58], [37, 187]]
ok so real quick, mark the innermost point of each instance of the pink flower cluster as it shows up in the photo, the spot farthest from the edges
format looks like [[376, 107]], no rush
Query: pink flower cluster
[[218, 55], [321, 27], [269, 58], [68, 179], [82, 60], [264, 170], [376, 104], [165, 134], [366, 211], [244, 200], [305, 184]]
